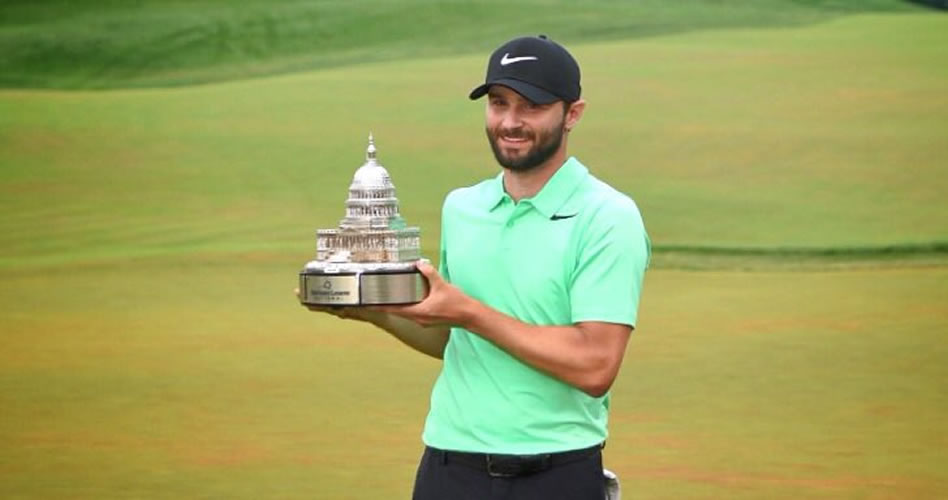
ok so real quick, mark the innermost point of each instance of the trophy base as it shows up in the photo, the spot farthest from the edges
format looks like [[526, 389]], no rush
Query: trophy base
[[354, 287]]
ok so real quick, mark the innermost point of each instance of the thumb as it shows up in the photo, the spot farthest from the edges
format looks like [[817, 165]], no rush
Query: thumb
[[428, 271]]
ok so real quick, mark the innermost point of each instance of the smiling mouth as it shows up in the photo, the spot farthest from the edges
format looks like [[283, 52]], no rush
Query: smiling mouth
[[514, 140]]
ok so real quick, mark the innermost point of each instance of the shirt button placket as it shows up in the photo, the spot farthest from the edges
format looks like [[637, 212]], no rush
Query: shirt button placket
[[505, 233]]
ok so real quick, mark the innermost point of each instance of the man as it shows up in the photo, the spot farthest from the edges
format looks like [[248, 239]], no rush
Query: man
[[537, 293]]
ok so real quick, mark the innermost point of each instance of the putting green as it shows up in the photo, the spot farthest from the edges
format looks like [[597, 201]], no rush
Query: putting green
[[827, 136]]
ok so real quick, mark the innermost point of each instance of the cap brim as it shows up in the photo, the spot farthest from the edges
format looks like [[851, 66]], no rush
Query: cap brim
[[530, 92]]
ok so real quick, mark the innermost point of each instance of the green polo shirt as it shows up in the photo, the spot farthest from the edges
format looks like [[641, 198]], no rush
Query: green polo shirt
[[577, 251]]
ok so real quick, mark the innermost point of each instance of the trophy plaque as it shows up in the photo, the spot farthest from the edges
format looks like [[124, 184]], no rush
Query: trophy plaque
[[370, 258]]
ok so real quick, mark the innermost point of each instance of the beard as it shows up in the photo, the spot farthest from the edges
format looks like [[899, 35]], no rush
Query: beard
[[545, 144]]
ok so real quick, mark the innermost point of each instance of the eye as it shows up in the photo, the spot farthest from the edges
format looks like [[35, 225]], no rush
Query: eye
[[532, 106]]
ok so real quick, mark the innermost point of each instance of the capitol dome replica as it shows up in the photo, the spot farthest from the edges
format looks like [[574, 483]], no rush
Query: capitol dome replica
[[372, 231], [371, 257]]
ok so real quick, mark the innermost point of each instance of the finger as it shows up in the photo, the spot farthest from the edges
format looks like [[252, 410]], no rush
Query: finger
[[386, 309], [324, 309], [403, 311], [429, 272], [337, 313]]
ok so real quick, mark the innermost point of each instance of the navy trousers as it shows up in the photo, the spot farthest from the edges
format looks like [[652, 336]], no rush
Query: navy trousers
[[441, 477]]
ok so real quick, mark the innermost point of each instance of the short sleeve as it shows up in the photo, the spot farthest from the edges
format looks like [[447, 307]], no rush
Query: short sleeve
[[612, 256], [443, 252]]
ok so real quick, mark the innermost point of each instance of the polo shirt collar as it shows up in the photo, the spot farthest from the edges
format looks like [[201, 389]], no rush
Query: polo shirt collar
[[559, 188], [495, 192], [552, 195]]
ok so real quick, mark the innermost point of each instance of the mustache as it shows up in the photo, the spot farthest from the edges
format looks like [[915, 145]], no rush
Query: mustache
[[513, 133]]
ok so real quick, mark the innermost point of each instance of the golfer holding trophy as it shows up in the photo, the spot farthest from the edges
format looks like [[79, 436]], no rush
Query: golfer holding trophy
[[532, 306]]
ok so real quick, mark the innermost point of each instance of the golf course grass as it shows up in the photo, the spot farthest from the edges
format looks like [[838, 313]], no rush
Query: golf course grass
[[191, 378], [790, 164], [108, 44]]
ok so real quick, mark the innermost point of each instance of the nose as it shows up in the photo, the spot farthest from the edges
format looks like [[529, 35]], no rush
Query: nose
[[511, 119]]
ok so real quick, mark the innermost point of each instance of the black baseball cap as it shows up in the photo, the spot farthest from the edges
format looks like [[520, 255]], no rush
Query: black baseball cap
[[536, 67]]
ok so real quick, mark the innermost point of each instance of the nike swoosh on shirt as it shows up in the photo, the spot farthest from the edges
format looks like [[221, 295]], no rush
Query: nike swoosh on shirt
[[561, 217], [510, 60]]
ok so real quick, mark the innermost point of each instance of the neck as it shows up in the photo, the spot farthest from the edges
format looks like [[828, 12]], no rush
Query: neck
[[526, 184]]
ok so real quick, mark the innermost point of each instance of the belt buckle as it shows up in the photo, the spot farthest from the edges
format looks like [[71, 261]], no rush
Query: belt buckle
[[517, 465], [494, 471]]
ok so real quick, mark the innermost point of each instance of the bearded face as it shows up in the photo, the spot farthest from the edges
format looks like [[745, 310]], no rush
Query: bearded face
[[524, 148]]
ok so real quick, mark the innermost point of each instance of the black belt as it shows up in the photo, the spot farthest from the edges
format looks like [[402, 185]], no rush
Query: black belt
[[498, 465]]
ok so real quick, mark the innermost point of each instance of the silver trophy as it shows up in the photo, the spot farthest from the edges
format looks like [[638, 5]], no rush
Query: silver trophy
[[370, 259]]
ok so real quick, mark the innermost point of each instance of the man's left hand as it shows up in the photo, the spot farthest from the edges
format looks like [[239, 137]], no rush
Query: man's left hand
[[445, 304]]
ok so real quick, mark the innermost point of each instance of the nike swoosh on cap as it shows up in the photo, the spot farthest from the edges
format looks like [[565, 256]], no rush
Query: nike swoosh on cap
[[510, 60]]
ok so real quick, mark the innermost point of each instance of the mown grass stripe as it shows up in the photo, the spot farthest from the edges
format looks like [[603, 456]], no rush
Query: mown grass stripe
[[894, 250], [61, 44]]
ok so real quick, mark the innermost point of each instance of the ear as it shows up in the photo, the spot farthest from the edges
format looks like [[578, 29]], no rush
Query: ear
[[574, 113]]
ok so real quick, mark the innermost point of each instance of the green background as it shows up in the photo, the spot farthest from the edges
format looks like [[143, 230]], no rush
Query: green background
[[163, 167]]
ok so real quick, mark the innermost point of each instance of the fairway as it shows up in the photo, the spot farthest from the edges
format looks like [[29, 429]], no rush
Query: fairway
[[739, 385], [791, 170]]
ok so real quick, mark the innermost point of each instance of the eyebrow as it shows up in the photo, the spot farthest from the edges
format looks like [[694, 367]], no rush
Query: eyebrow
[[498, 95]]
